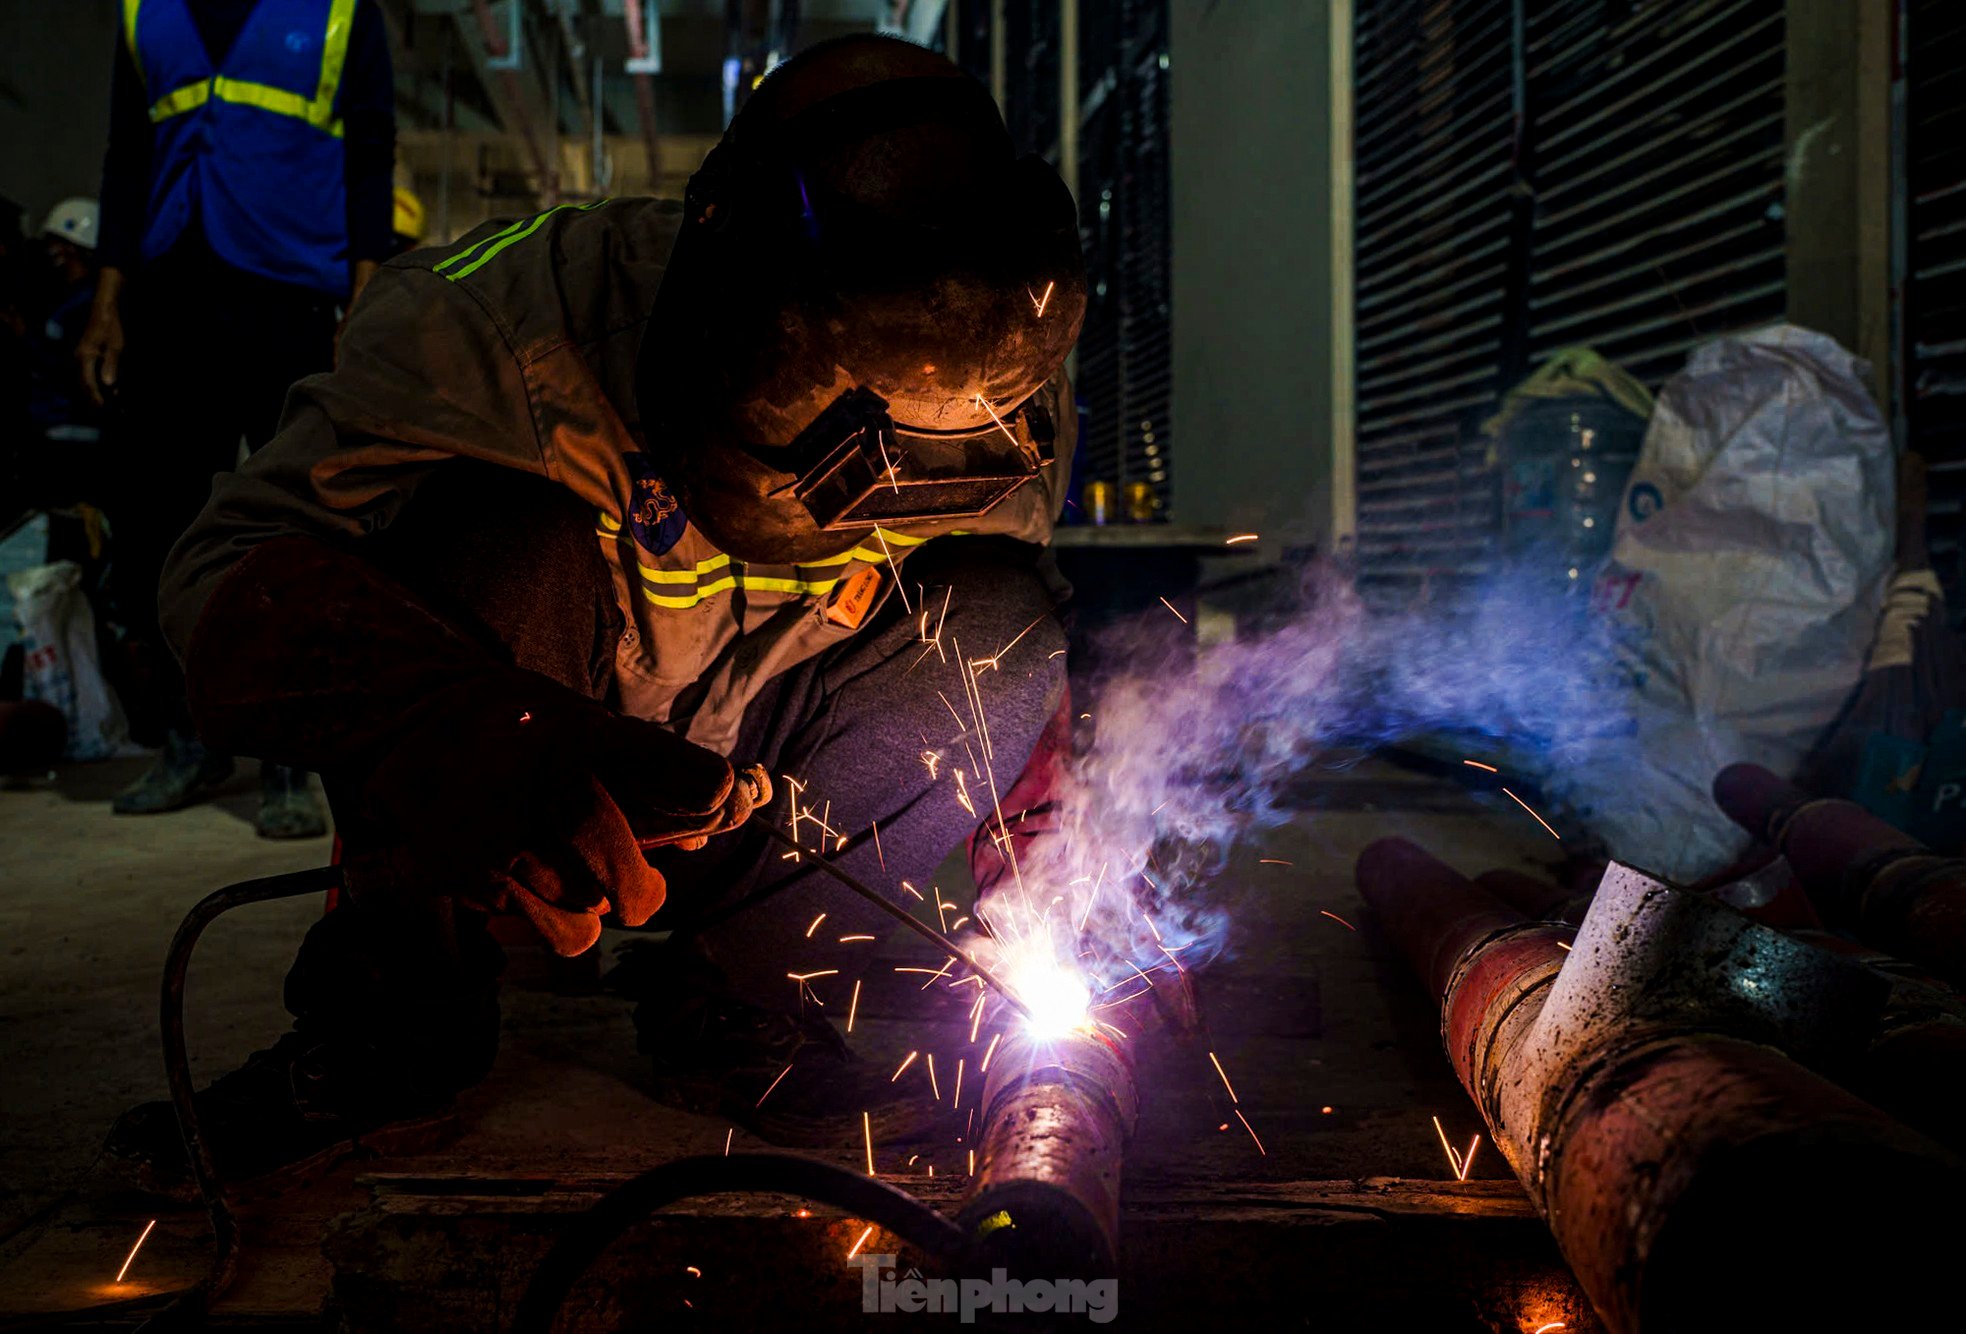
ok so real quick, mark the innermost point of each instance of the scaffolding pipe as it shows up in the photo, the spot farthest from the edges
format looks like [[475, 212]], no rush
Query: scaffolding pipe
[[498, 48], [1863, 875], [638, 55]]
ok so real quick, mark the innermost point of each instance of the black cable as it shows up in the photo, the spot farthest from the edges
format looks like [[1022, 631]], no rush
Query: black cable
[[591, 1233], [188, 1307]]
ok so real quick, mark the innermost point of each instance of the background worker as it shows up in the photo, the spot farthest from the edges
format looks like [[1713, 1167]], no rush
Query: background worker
[[582, 524], [246, 195]]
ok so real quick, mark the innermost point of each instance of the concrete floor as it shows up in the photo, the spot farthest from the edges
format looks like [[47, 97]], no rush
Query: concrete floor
[[1335, 1054]]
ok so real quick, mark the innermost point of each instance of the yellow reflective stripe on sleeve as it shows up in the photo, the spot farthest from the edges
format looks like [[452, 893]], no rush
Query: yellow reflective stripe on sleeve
[[510, 237], [180, 100], [473, 249], [130, 31]]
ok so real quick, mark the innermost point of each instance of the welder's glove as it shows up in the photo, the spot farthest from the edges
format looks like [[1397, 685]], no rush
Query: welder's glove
[[468, 776], [525, 797]]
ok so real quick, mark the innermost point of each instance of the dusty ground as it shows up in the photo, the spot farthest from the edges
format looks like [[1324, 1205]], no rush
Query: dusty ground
[[1307, 1014]]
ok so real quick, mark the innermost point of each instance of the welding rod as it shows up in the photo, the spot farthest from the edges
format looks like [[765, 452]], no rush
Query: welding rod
[[900, 914]]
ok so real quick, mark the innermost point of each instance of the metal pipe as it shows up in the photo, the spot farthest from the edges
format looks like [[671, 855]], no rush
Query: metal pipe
[[1045, 1197], [499, 49], [641, 64], [1863, 875], [1068, 95], [1688, 1169], [999, 57]]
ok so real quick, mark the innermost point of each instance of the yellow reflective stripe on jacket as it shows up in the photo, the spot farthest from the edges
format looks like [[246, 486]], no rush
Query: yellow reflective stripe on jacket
[[754, 582], [317, 111], [690, 576]]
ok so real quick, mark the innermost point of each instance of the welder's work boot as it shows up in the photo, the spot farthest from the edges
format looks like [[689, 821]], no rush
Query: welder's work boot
[[185, 772], [291, 1111], [288, 807], [788, 1079]]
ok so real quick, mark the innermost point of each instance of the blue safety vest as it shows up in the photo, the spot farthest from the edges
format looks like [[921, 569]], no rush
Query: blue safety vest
[[249, 150]]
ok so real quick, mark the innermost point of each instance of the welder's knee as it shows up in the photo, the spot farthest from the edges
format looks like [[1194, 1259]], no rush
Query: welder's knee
[[1001, 608]]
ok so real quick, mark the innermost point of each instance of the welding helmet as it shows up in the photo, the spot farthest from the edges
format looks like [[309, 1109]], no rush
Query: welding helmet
[[868, 290]]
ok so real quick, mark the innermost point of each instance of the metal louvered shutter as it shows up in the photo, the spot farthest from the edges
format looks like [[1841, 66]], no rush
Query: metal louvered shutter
[[1640, 214], [1935, 290], [1125, 367], [1432, 151], [1657, 138]]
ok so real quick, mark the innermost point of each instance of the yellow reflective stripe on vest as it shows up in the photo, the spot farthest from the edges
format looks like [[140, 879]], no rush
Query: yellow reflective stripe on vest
[[180, 100], [317, 111], [334, 55], [130, 32]]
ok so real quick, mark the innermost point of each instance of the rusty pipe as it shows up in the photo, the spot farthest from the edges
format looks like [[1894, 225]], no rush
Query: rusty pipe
[[638, 50], [1686, 1166], [1056, 1115], [498, 48], [1863, 875]]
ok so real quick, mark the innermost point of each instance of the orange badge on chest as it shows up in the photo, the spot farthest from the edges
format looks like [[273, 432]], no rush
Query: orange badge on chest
[[852, 598]]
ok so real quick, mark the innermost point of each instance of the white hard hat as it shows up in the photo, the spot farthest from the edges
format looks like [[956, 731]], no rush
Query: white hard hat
[[73, 220]]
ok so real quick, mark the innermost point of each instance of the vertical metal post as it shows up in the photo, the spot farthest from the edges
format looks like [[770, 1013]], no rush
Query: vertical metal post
[[999, 67], [1068, 94], [1837, 88], [952, 30], [1344, 435], [449, 141], [598, 183]]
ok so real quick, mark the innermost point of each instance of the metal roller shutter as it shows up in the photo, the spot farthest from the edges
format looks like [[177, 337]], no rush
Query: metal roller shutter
[[1935, 291], [1639, 213], [1658, 166], [1433, 151], [1125, 370]]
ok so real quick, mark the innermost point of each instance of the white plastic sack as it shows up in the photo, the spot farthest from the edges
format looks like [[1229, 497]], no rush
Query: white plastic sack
[[58, 638], [1753, 549]]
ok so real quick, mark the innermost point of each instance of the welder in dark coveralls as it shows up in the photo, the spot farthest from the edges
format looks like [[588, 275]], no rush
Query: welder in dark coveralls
[[597, 503]]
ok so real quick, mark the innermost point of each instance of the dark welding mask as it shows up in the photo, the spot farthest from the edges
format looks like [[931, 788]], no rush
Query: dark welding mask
[[856, 467], [863, 303]]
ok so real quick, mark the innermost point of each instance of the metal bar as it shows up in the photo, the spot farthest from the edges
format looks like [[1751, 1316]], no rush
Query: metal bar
[[900, 914]]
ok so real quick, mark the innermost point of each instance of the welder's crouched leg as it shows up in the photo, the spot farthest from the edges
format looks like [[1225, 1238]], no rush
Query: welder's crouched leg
[[870, 733], [395, 1000]]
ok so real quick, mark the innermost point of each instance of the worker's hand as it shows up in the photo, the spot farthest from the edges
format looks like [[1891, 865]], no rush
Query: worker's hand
[[99, 353], [520, 795]]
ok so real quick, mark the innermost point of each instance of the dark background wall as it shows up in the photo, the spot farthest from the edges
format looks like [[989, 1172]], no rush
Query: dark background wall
[[1252, 245], [54, 99]]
